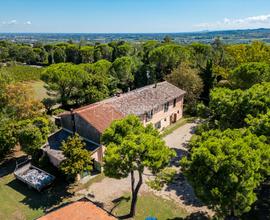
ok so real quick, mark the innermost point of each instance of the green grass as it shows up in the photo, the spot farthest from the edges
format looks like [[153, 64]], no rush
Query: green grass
[[23, 73], [18, 202], [38, 88], [150, 205], [176, 125]]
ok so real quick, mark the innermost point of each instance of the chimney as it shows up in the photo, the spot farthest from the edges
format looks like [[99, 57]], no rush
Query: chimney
[[73, 120]]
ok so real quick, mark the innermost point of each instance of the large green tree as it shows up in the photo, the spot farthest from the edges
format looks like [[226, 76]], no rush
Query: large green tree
[[188, 79], [225, 169], [130, 149], [230, 107], [66, 80], [248, 74], [124, 69], [77, 158], [165, 58], [8, 139]]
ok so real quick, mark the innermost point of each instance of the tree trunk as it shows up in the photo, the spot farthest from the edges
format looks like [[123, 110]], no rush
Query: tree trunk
[[135, 191]]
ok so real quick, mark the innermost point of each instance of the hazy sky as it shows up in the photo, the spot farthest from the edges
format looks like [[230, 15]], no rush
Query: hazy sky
[[94, 16]]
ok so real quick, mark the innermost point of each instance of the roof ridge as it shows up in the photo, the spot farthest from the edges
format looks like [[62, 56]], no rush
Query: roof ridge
[[110, 99]]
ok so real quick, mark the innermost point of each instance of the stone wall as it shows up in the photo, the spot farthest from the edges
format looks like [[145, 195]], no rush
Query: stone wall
[[165, 117]]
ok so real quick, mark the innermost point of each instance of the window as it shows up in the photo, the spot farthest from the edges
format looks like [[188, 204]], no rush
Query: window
[[166, 106], [149, 115], [158, 125], [174, 102]]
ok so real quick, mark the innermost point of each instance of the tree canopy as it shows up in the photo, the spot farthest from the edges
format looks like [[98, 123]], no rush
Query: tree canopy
[[130, 148], [77, 158], [225, 168], [248, 74]]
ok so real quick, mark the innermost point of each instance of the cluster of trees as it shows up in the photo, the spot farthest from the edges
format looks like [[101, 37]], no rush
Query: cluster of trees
[[123, 65], [229, 157], [23, 121]]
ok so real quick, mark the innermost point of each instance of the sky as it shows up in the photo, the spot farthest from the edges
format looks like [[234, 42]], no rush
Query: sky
[[132, 16]]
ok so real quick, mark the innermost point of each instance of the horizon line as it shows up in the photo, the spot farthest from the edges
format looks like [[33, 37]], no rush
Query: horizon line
[[183, 32]]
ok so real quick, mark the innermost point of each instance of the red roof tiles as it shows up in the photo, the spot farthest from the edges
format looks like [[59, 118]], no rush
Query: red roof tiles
[[80, 210], [100, 115]]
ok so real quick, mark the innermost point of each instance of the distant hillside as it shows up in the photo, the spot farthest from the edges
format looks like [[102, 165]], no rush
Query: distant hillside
[[229, 36]]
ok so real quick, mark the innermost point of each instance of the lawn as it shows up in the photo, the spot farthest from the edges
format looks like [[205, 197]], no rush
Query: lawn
[[21, 203], [150, 205]]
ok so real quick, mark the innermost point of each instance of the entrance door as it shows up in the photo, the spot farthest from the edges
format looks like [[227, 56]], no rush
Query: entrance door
[[173, 118]]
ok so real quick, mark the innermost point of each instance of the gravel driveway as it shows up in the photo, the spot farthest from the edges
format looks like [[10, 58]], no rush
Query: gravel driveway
[[109, 190]]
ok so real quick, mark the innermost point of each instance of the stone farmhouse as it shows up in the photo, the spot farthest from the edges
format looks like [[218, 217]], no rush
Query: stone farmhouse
[[160, 104]]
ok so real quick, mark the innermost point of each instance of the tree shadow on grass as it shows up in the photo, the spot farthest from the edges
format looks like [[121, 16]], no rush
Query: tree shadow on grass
[[117, 202], [45, 199]]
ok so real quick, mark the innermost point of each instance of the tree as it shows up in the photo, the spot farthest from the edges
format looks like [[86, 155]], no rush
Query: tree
[[208, 81], [19, 102], [77, 158], [225, 168], [73, 54], [200, 54], [230, 107], [3, 53], [66, 80], [248, 74], [123, 69], [124, 49], [30, 139], [7, 138], [259, 125], [167, 39], [26, 55], [130, 148], [165, 58], [187, 79], [103, 51], [33, 133], [87, 54], [59, 54]]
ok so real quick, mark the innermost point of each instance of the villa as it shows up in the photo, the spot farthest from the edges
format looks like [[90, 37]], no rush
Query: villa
[[160, 104]]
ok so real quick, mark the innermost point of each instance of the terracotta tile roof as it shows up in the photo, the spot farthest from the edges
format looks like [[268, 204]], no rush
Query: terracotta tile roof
[[80, 210], [137, 102], [99, 115]]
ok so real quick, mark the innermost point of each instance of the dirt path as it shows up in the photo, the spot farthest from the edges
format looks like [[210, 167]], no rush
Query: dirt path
[[109, 190]]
